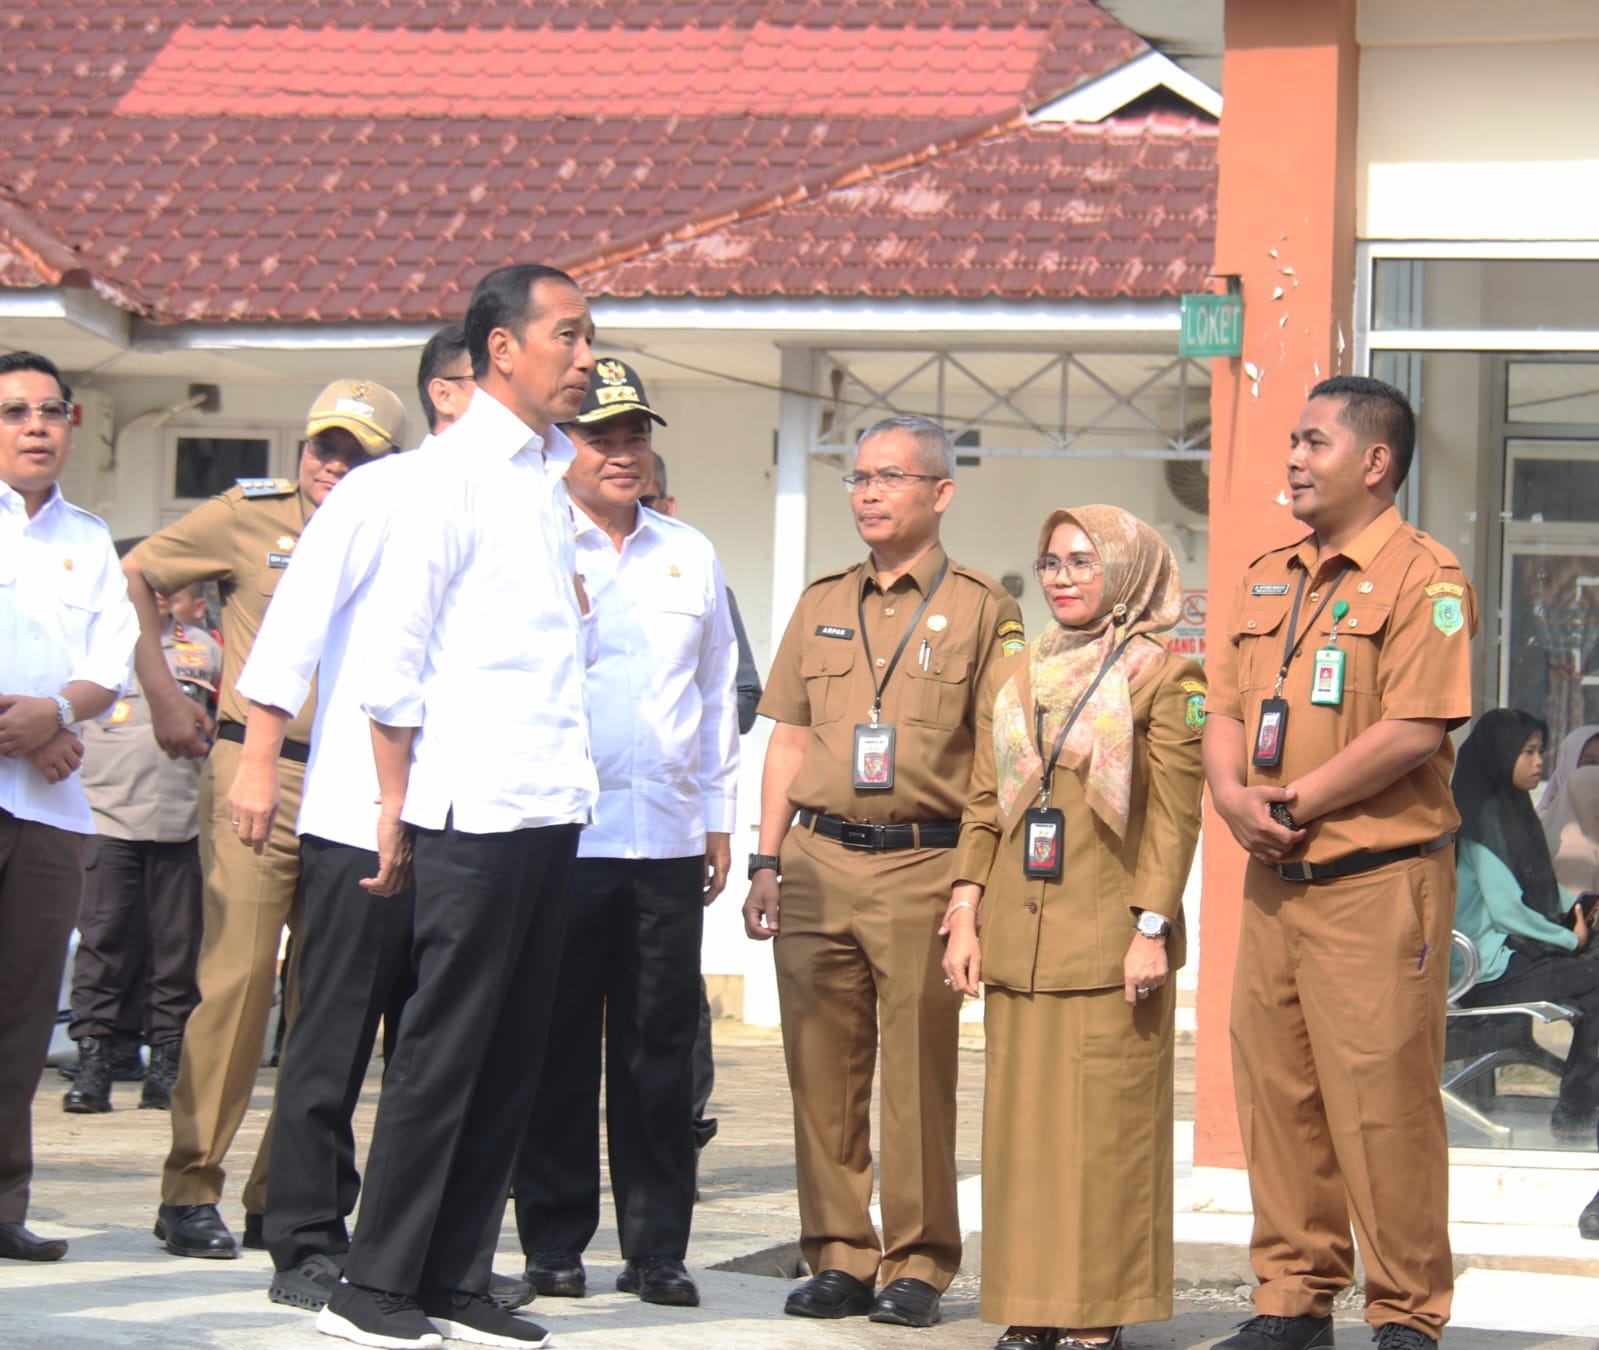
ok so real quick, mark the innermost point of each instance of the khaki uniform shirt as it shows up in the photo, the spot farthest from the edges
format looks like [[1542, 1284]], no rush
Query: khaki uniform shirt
[[242, 539], [821, 679], [1073, 932], [1407, 654], [134, 790]]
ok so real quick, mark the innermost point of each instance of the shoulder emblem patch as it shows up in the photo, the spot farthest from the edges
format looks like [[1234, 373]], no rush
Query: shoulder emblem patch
[[1010, 628], [1445, 588], [1447, 615], [1193, 686], [1010, 646], [1194, 713]]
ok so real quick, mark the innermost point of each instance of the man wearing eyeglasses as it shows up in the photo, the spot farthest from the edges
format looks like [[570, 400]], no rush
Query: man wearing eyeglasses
[[66, 630], [244, 540], [872, 692]]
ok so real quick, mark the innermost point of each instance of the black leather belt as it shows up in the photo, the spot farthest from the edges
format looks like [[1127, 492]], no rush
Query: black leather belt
[[297, 751], [1352, 864], [878, 838]]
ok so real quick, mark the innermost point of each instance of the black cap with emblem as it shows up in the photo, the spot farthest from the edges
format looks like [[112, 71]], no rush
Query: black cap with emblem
[[614, 389]]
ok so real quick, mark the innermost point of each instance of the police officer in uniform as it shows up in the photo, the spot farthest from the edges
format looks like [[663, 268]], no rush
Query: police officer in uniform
[[141, 881], [1347, 661], [872, 691], [243, 540]]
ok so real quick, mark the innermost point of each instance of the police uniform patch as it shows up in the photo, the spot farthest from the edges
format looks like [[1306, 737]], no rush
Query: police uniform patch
[[1447, 616], [1445, 588], [1194, 713], [834, 631], [1269, 588]]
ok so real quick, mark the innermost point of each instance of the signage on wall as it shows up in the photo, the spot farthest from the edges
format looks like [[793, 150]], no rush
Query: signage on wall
[[1213, 325], [1187, 638]]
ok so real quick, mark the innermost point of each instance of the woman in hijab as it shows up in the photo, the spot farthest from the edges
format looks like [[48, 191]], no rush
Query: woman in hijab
[[1579, 750], [1572, 829], [1075, 844], [1510, 904]]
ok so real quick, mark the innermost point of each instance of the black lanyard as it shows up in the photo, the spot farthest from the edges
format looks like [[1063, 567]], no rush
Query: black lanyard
[[1294, 639], [1060, 741], [860, 605]]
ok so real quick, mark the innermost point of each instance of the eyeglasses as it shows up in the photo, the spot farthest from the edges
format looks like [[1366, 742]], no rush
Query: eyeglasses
[[889, 480], [53, 412], [1078, 568]]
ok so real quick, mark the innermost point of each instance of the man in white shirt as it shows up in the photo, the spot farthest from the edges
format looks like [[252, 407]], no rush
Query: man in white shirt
[[664, 726], [355, 947], [474, 663], [66, 634]]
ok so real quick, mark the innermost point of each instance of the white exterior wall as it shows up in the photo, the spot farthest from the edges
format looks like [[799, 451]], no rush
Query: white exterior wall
[[1477, 120]]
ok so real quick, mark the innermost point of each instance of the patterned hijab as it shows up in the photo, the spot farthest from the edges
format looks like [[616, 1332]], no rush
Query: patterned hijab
[[1142, 595]]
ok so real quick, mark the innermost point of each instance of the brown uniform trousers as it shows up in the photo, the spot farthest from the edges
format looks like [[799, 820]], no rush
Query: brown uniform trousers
[[41, 878], [858, 952], [243, 539], [247, 901], [1339, 995]]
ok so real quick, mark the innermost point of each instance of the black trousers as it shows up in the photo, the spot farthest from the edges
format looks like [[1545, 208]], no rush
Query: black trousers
[[1572, 980], [355, 970], [458, 1088], [630, 965], [41, 880], [139, 927], [705, 1127]]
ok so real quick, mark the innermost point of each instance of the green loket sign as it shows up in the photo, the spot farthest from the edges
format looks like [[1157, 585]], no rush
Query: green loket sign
[[1213, 325]]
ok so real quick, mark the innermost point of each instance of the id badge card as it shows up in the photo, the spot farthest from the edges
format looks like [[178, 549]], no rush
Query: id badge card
[[1269, 735], [1327, 677], [872, 765], [1044, 830]]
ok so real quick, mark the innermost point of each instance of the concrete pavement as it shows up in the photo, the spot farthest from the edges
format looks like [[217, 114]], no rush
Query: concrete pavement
[[1521, 1289]]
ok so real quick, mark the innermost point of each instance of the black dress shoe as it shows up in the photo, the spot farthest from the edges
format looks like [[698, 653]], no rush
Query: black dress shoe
[[1268, 1331], [1588, 1222], [659, 1279], [907, 1303], [831, 1293], [1028, 1338], [254, 1232], [557, 1274], [195, 1230], [18, 1244]]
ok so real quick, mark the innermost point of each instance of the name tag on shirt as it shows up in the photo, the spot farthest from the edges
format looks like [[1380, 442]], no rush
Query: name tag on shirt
[[278, 560], [833, 631]]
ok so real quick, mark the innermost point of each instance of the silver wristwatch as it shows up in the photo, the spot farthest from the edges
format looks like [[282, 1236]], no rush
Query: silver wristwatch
[[1151, 925], [66, 714]]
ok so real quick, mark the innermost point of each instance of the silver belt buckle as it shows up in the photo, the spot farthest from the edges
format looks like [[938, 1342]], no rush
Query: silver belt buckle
[[852, 834]]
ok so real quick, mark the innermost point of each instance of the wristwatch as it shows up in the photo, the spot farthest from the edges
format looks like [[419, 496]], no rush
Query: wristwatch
[[66, 714], [1151, 925], [764, 862]]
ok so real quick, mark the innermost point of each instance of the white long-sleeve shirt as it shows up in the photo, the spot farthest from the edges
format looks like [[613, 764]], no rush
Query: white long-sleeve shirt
[[314, 621], [476, 635], [64, 616], [663, 690]]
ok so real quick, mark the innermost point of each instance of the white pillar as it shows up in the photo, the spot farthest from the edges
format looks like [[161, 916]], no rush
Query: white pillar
[[797, 423]]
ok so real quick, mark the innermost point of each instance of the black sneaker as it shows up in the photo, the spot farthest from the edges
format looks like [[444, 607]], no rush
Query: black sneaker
[[374, 1317], [509, 1292], [479, 1319], [1397, 1336], [306, 1285], [557, 1274], [1269, 1332]]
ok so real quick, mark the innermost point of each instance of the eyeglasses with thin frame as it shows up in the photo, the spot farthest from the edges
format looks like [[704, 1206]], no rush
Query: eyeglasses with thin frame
[[1078, 568], [887, 480], [53, 412]]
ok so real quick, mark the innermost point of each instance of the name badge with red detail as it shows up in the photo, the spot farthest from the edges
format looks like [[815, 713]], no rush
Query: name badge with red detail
[[1045, 828], [872, 764]]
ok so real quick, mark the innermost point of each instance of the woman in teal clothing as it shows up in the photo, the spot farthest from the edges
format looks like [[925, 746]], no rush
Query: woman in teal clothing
[[1511, 906]]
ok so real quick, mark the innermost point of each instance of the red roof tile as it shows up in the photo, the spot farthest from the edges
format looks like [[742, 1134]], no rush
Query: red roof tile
[[356, 159]]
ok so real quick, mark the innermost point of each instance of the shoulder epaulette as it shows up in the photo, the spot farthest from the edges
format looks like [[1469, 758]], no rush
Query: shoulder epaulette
[[1444, 556], [86, 514], [833, 576], [981, 578], [265, 487]]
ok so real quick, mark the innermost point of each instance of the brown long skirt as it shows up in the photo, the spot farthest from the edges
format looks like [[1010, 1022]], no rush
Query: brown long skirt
[[1077, 1158]]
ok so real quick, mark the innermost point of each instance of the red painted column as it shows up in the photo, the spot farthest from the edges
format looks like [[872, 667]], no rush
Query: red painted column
[[1285, 217]]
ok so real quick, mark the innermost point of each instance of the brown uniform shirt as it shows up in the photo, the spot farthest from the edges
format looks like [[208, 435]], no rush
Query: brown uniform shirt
[[821, 679], [1073, 932], [1407, 645], [242, 540], [134, 790]]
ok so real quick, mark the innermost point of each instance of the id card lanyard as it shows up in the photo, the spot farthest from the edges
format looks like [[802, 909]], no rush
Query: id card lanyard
[[1045, 825], [872, 765], [1273, 728]]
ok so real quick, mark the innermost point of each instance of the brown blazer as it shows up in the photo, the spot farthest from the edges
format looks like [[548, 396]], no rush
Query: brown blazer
[[1073, 933]]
